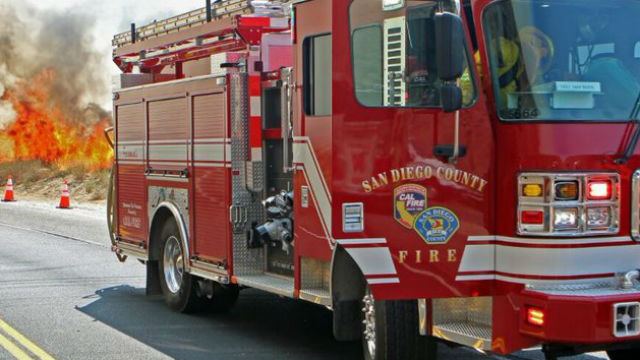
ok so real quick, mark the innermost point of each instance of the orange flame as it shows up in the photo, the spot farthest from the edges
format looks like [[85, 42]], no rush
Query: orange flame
[[42, 131]]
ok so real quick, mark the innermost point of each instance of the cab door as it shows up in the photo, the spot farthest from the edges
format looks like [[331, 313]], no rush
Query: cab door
[[391, 147]]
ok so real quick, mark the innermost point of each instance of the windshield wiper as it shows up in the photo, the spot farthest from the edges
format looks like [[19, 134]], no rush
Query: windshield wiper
[[631, 147]]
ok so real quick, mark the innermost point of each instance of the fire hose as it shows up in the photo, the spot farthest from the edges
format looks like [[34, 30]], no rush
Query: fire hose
[[111, 203]]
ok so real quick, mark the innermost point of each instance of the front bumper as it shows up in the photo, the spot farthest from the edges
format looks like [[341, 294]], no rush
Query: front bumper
[[587, 315]]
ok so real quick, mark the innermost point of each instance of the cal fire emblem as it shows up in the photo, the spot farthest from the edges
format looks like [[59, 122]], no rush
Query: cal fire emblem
[[409, 200], [435, 225]]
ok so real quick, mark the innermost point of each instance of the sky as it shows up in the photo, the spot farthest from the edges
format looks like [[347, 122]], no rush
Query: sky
[[115, 16]]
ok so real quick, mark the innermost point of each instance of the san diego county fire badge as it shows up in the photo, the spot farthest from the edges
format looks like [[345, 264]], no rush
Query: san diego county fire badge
[[435, 225]]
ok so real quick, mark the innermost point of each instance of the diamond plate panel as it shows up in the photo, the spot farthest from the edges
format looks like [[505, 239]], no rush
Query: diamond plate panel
[[245, 261], [179, 197], [466, 321], [476, 310], [468, 329], [255, 176], [611, 288], [314, 274]]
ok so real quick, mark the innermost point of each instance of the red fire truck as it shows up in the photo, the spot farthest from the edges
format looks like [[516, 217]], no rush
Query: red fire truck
[[429, 170]]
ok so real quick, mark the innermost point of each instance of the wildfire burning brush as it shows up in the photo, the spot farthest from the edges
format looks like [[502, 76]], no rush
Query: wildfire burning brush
[[42, 131], [51, 77]]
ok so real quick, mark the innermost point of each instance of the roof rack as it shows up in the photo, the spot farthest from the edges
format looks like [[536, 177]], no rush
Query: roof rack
[[219, 10]]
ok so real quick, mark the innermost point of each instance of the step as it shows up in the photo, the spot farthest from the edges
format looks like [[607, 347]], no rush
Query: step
[[273, 284], [474, 335], [317, 296]]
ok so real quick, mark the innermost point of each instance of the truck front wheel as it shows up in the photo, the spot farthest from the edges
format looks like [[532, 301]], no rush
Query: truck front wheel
[[178, 287], [390, 331]]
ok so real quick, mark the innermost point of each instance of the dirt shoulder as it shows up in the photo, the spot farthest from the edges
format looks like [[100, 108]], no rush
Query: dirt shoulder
[[34, 180]]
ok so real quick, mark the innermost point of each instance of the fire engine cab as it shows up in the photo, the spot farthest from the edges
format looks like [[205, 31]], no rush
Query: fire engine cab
[[430, 170]]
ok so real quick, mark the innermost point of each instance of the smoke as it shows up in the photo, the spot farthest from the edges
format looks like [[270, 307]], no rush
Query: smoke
[[34, 41], [7, 113]]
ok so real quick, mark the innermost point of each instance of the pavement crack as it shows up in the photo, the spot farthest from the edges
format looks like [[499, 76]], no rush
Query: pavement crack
[[56, 235]]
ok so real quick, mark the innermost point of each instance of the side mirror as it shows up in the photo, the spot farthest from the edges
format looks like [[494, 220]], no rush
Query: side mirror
[[451, 97], [450, 45]]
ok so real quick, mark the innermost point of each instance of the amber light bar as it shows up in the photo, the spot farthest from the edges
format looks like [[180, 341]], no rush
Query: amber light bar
[[568, 204]]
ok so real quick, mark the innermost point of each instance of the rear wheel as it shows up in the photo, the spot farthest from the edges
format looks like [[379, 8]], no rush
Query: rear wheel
[[390, 331], [179, 288], [626, 354]]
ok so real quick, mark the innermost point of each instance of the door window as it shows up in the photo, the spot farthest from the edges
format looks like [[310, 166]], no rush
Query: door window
[[394, 56], [317, 75]]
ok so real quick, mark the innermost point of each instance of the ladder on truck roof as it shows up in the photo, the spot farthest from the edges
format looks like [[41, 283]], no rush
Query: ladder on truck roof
[[218, 10]]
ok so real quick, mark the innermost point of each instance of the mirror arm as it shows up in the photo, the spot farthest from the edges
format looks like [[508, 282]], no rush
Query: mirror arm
[[456, 137], [456, 140]]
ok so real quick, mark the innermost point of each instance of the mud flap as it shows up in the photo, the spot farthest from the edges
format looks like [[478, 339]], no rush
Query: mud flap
[[153, 279]]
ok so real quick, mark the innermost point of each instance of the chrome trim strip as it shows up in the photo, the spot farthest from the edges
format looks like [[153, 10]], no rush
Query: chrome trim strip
[[314, 298], [635, 205], [172, 82], [222, 279], [243, 281], [422, 317], [132, 250], [347, 242]]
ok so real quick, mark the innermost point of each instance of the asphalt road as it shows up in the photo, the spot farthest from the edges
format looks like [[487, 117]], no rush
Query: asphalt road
[[63, 294]]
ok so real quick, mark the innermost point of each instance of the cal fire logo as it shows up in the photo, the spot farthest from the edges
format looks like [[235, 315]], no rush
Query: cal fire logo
[[435, 225], [410, 201]]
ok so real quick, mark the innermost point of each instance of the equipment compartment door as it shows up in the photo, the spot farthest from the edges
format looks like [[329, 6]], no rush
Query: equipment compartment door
[[211, 173], [130, 180]]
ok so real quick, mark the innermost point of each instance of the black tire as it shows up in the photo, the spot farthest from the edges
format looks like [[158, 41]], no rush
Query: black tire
[[626, 354], [185, 299], [224, 297], [397, 335]]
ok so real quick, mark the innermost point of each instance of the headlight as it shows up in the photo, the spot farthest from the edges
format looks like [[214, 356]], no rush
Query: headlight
[[565, 219], [598, 218]]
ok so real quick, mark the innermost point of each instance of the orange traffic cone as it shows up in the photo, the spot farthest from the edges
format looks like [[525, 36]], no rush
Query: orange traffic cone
[[8, 191], [64, 198]]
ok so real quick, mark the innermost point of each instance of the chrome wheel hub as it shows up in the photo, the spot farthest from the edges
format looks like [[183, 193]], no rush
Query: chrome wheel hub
[[172, 264], [369, 332]]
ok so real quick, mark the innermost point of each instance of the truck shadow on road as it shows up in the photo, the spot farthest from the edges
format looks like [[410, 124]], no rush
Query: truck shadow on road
[[260, 326]]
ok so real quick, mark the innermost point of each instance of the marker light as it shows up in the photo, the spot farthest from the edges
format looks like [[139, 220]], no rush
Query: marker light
[[532, 190], [565, 218], [567, 190], [532, 217], [599, 190], [535, 316]]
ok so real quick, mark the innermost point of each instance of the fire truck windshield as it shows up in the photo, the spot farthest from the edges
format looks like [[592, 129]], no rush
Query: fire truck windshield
[[394, 54], [564, 60]]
